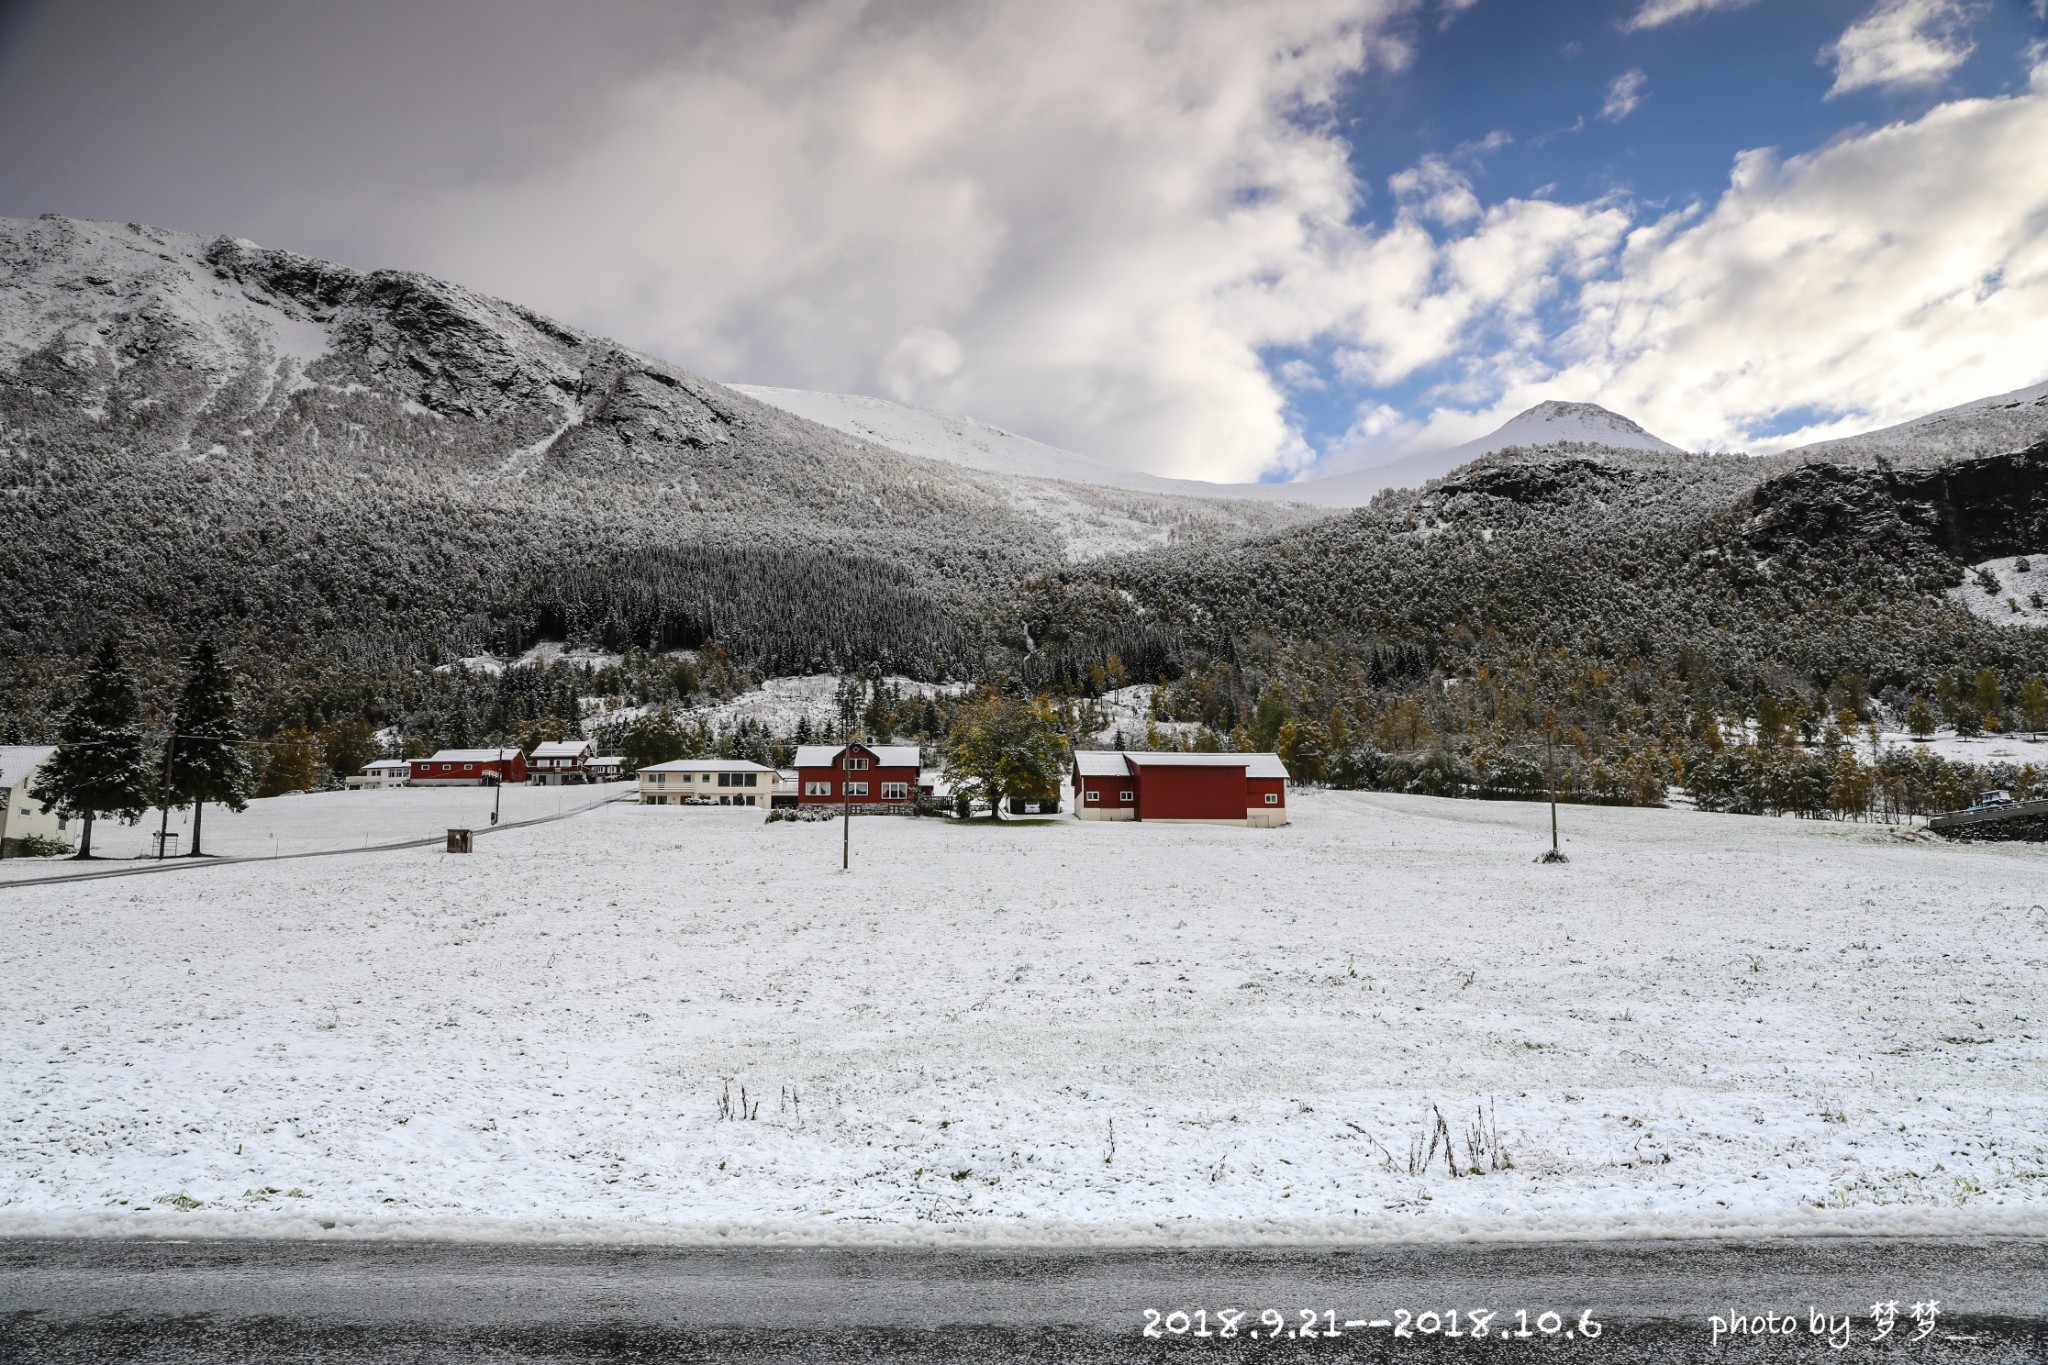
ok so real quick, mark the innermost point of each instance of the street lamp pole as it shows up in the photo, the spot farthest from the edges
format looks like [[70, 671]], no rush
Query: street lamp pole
[[163, 829]]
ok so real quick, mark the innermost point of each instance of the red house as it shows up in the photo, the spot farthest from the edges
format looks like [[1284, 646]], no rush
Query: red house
[[469, 768], [556, 761], [1217, 789], [874, 779]]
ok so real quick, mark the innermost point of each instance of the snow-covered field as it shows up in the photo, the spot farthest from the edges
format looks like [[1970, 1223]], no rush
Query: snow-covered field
[[1700, 1024], [307, 822]]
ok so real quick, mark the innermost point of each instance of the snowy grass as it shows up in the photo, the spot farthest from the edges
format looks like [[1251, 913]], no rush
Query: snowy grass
[[1699, 1025], [307, 822]]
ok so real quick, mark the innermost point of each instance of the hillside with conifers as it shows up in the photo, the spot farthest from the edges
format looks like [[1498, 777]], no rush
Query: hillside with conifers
[[352, 481]]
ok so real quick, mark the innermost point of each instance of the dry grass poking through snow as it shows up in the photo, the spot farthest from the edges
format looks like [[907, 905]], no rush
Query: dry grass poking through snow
[[1386, 1020]]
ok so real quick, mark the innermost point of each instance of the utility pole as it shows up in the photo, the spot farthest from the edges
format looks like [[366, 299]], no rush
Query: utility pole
[[163, 829], [498, 788], [845, 814]]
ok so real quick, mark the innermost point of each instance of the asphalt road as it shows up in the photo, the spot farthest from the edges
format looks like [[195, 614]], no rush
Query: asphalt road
[[343, 1302]]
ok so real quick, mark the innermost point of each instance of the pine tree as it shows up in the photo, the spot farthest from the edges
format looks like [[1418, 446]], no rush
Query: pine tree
[[206, 761], [99, 768]]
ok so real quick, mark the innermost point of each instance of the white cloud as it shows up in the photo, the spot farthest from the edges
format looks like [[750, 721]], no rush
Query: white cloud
[[1624, 95], [1657, 13], [1903, 43], [1079, 219], [1092, 222], [1824, 281]]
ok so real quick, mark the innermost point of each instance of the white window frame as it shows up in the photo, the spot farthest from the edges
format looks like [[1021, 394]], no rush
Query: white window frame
[[1272, 798], [856, 765], [817, 789], [856, 789], [1094, 797], [1127, 797], [895, 791]]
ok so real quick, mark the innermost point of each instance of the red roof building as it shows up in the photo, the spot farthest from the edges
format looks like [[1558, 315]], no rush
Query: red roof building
[[469, 768], [1216, 789], [873, 779]]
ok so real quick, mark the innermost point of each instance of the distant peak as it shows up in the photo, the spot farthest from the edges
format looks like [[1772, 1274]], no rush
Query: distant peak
[[1552, 410]]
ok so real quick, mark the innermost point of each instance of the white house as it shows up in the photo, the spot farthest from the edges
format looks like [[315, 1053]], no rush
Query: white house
[[709, 782], [384, 772], [608, 768], [20, 818], [558, 761]]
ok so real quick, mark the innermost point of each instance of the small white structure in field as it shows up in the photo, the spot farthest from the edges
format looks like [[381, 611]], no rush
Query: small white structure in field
[[608, 768], [384, 772], [709, 782], [558, 761], [20, 818]]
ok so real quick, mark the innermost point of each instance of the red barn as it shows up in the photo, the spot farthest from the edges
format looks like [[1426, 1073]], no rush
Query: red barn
[[469, 768], [875, 779], [1222, 789]]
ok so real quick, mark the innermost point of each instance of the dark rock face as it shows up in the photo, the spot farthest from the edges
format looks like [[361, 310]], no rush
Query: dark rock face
[[2031, 829], [1971, 510], [1538, 482]]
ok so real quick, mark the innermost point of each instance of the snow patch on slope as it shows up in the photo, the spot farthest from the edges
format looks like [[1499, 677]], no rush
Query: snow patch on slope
[[2014, 596], [962, 440], [1988, 426]]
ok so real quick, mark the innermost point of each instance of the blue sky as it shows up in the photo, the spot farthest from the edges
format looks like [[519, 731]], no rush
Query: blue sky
[[1513, 95], [1223, 239]]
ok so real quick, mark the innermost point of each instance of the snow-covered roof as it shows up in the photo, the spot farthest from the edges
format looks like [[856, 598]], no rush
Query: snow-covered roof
[[1254, 765], [1100, 763], [886, 755], [384, 765], [17, 760], [562, 748], [608, 760], [706, 765], [471, 756]]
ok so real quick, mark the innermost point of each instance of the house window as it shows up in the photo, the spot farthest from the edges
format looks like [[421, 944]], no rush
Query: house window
[[856, 789], [817, 789], [1126, 796], [752, 779], [895, 791], [856, 765], [468, 767], [1094, 797], [1272, 798], [658, 779], [725, 779]]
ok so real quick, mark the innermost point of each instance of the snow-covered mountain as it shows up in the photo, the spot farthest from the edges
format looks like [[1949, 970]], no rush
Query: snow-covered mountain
[[381, 468], [1988, 426], [965, 441]]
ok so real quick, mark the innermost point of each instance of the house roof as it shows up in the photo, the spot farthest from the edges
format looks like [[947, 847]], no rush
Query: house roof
[[706, 765], [562, 748], [1100, 763], [472, 756], [18, 760], [615, 760], [384, 765], [1254, 765], [886, 755]]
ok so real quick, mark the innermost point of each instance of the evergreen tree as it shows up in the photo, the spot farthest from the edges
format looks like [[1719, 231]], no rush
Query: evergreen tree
[[99, 767], [206, 761]]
